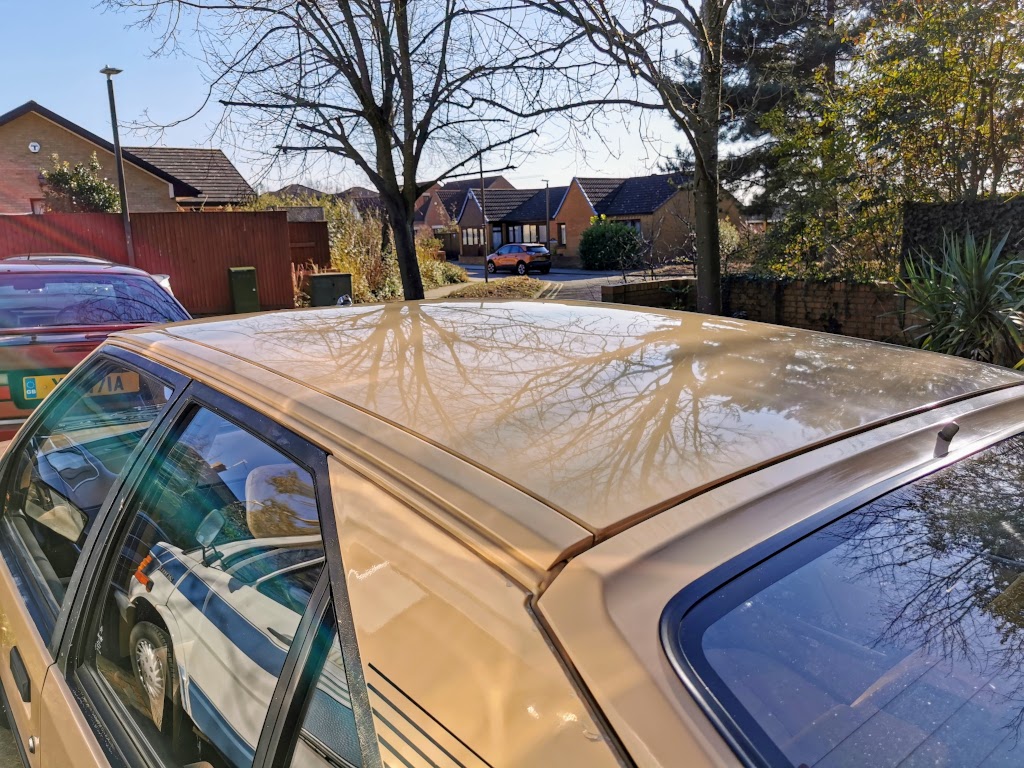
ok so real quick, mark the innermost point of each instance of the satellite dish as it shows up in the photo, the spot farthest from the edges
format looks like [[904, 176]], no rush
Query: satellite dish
[[34, 147]]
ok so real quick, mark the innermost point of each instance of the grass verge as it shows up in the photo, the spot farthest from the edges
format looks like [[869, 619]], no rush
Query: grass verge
[[505, 288]]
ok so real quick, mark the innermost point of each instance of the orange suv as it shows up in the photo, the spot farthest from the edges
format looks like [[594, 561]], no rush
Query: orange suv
[[520, 258]]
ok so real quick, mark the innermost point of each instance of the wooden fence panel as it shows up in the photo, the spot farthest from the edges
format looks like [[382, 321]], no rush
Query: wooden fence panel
[[310, 243], [197, 249], [87, 234], [194, 249]]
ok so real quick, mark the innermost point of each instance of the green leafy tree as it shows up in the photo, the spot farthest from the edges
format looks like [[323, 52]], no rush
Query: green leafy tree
[[609, 244], [773, 51], [935, 93], [79, 188], [925, 107]]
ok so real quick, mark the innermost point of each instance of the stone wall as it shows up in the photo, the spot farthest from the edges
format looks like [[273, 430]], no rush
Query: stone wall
[[925, 224], [866, 310]]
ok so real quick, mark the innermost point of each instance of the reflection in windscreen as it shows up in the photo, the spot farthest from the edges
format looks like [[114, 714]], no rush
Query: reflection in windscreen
[[48, 300], [898, 640]]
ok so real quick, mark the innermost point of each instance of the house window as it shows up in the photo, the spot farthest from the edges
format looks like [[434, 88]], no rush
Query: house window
[[633, 224], [561, 234], [531, 233]]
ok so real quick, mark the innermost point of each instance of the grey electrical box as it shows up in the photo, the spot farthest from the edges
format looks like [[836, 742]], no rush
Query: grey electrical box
[[326, 288]]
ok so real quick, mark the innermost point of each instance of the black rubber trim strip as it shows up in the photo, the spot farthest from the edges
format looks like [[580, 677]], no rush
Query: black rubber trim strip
[[416, 704], [305, 659], [413, 723]]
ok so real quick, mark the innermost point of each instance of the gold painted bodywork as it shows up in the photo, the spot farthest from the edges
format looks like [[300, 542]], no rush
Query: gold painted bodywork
[[520, 488], [17, 630]]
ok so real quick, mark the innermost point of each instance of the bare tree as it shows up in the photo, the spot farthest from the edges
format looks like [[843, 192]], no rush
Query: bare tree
[[656, 42], [395, 87]]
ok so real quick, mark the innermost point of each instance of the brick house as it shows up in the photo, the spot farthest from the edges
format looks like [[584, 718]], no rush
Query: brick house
[[476, 242], [31, 134], [660, 207], [513, 216], [438, 209]]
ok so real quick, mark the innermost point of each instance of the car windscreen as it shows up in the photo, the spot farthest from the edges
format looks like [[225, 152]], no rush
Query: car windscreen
[[892, 637], [63, 299]]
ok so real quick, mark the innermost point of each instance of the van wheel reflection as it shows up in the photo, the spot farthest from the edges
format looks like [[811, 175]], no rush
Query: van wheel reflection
[[154, 668]]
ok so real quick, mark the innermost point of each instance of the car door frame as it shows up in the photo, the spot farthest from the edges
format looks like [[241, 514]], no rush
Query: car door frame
[[502, 255], [125, 740], [34, 604]]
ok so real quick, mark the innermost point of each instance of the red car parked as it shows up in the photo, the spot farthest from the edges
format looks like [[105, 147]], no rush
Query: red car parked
[[54, 310]]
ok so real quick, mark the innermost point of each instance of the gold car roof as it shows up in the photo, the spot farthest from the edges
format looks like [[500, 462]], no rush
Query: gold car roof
[[605, 413]]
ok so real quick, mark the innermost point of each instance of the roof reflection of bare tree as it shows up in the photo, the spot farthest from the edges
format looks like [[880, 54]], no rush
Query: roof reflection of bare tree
[[946, 556], [602, 412]]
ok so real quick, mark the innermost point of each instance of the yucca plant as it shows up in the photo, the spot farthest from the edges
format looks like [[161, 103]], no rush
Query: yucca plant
[[969, 301]]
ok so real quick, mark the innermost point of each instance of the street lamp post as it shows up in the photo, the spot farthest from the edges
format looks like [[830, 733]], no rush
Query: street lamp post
[[483, 213], [547, 213], [119, 163]]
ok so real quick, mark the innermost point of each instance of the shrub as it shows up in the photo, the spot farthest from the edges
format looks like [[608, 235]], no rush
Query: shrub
[[969, 301], [608, 244], [437, 273], [427, 247], [79, 188]]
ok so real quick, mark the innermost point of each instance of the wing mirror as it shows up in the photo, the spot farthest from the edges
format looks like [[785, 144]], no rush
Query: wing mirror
[[208, 531]]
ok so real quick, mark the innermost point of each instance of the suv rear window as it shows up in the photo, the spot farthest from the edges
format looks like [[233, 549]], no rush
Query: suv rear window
[[50, 300], [536, 249], [892, 637]]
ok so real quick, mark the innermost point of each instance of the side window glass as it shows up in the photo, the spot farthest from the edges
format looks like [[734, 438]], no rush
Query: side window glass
[[893, 636], [65, 469], [328, 735], [206, 586]]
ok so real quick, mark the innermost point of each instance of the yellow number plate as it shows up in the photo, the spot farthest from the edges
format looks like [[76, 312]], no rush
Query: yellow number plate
[[116, 384], [38, 387]]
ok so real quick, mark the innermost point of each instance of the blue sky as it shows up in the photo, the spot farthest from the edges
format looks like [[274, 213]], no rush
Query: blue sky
[[51, 51]]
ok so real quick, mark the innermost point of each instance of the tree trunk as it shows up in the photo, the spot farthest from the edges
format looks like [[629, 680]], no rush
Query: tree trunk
[[709, 266], [408, 266], [705, 133], [400, 214]]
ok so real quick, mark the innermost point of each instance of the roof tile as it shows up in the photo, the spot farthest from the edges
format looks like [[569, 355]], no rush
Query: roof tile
[[208, 170]]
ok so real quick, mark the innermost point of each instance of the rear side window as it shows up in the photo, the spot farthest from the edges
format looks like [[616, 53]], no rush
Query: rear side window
[[49, 300], [205, 591], [892, 637]]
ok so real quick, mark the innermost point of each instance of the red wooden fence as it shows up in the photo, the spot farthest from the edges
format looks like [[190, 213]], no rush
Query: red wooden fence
[[310, 243], [195, 249]]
